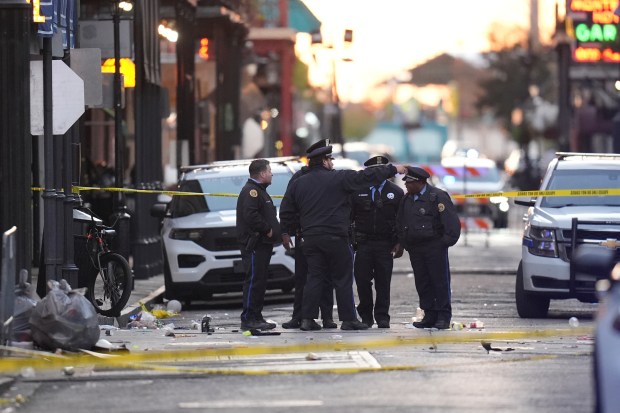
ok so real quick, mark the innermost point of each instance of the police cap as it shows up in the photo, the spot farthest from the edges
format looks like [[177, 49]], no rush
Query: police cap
[[320, 148], [377, 160], [415, 174]]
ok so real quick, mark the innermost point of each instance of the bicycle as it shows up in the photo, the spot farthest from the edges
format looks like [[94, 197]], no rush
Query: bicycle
[[110, 288]]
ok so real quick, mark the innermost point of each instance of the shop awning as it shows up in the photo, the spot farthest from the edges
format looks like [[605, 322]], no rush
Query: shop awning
[[301, 18]]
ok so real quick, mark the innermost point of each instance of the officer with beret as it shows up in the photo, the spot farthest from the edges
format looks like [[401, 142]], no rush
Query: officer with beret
[[257, 231], [301, 264], [320, 200], [428, 224], [373, 216]]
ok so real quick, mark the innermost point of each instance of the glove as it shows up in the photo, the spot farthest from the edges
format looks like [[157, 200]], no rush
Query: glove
[[286, 242], [397, 251]]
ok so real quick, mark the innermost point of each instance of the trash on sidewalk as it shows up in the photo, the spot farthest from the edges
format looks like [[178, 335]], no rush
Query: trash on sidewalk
[[476, 324], [419, 315], [488, 347], [160, 312], [26, 299], [312, 357], [68, 371], [456, 325], [64, 319], [174, 306], [104, 346]]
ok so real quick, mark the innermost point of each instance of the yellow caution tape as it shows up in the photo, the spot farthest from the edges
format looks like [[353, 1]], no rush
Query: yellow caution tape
[[509, 194], [533, 194], [16, 364]]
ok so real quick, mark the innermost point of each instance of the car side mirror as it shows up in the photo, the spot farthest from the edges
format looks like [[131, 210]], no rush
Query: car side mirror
[[159, 211], [529, 203]]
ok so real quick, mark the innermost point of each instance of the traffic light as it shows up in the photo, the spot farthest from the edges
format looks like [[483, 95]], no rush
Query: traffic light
[[203, 50]]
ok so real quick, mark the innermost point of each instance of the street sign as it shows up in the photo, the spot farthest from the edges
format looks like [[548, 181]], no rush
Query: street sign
[[67, 97]]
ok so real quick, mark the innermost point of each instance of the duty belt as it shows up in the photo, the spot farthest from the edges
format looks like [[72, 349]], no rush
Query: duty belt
[[373, 237]]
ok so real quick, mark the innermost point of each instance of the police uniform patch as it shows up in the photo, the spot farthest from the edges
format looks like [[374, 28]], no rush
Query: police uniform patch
[[422, 211], [441, 207], [390, 195], [253, 193]]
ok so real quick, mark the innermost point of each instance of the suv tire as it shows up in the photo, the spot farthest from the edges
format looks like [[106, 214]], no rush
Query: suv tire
[[529, 305]]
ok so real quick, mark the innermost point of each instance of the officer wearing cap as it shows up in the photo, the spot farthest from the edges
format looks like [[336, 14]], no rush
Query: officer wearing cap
[[301, 264], [427, 225], [320, 200], [373, 217], [258, 230]]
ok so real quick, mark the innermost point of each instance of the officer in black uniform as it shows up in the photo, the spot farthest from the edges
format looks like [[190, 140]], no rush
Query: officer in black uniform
[[301, 264], [428, 224], [320, 199], [373, 216], [257, 231]]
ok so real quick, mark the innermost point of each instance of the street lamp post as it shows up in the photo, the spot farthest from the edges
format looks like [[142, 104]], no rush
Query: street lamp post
[[333, 111], [120, 216]]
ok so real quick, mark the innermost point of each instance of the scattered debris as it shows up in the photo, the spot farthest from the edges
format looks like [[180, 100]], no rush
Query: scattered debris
[[68, 371], [312, 357], [488, 347]]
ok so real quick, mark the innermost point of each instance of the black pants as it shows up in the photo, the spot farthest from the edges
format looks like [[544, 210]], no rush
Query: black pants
[[374, 261], [330, 258], [326, 304], [431, 270], [256, 265]]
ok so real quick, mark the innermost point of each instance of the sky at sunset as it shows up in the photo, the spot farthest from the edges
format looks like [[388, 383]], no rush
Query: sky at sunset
[[391, 36]]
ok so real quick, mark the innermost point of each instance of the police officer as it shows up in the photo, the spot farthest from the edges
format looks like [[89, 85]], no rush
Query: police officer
[[373, 213], [320, 199], [428, 224], [301, 264], [257, 231]]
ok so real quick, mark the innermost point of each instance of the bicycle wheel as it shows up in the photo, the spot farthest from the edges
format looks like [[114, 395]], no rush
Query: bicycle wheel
[[111, 288]]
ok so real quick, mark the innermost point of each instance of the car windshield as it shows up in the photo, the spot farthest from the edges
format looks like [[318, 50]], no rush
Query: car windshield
[[187, 205], [583, 179]]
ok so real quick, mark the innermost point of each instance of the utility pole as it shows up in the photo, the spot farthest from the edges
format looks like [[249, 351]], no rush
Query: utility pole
[[121, 217], [15, 138]]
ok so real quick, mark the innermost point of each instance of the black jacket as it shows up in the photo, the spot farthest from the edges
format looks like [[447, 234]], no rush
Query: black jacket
[[292, 226], [256, 213], [431, 216], [376, 219], [321, 198]]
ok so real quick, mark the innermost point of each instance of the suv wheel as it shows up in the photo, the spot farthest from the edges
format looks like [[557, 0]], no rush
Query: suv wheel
[[529, 305]]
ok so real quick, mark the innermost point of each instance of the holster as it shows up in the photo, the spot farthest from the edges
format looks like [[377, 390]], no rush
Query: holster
[[252, 242]]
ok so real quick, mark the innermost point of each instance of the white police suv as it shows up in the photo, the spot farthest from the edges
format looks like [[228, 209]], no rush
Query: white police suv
[[201, 252], [557, 225]]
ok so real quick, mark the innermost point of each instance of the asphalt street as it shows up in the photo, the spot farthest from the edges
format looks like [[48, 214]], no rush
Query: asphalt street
[[527, 365]]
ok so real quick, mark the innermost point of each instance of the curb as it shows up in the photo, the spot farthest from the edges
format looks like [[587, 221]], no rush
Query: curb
[[134, 308], [6, 383]]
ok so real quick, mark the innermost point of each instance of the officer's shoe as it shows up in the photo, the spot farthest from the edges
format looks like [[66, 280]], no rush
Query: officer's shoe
[[428, 321], [368, 322], [329, 323], [353, 325], [442, 324], [383, 324], [270, 326], [256, 325], [293, 323], [308, 324]]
